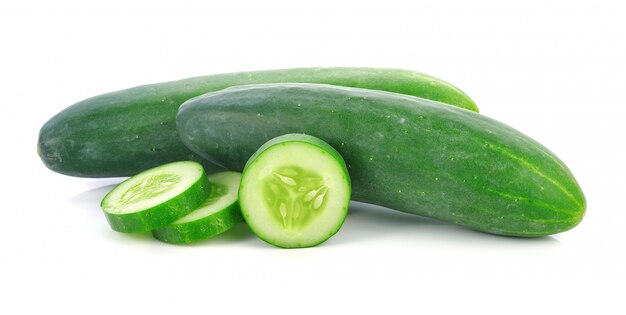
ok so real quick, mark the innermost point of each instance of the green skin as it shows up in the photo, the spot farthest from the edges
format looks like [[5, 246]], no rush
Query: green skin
[[201, 229], [205, 227], [125, 132], [162, 214], [285, 140], [402, 152]]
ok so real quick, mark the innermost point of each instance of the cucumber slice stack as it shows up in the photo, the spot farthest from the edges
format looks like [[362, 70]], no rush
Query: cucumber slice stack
[[156, 197], [218, 213], [295, 191]]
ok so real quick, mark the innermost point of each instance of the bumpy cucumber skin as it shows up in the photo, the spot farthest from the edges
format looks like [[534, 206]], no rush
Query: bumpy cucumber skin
[[164, 213], [310, 140], [201, 229], [125, 132], [402, 152]]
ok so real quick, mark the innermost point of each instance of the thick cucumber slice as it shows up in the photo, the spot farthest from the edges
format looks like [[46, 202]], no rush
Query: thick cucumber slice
[[156, 197], [295, 191], [218, 213]]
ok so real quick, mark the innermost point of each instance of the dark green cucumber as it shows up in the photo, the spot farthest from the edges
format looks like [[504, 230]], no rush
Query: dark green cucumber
[[295, 191], [404, 153], [156, 197], [217, 214], [125, 132]]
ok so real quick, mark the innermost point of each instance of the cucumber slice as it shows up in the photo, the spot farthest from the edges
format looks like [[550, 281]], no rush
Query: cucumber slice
[[156, 197], [218, 213], [295, 191]]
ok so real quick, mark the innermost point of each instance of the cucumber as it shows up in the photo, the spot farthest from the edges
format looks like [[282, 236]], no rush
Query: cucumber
[[295, 191], [125, 132], [156, 197], [404, 153], [218, 213]]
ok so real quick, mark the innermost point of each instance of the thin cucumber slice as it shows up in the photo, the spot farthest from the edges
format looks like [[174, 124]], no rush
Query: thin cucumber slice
[[295, 191], [156, 197], [218, 213]]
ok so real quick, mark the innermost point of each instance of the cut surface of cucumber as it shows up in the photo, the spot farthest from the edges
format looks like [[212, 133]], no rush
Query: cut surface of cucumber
[[295, 191], [218, 213], [156, 197]]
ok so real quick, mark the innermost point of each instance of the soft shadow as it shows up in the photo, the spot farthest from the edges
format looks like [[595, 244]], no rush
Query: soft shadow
[[91, 198], [366, 221], [240, 233], [136, 237]]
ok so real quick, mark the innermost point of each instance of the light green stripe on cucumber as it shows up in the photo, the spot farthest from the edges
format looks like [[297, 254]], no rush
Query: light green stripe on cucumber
[[217, 214]]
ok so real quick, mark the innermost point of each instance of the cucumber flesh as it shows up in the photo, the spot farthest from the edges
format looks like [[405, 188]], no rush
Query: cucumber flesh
[[217, 214], [295, 191], [156, 197]]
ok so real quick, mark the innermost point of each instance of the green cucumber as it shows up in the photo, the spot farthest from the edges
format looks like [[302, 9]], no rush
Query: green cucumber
[[295, 191], [125, 132], [156, 197], [217, 214], [404, 153]]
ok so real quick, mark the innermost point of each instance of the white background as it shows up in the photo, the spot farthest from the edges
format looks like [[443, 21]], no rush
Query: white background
[[552, 69]]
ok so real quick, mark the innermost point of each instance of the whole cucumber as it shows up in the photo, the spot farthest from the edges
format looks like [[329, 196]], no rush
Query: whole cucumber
[[402, 152], [125, 132]]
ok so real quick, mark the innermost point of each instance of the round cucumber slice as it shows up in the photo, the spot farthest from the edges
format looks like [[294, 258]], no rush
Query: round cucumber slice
[[295, 191], [156, 197], [218, 213]]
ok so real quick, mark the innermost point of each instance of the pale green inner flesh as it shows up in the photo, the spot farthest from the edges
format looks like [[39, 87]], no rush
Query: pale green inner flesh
[[217, 191], [224, 189], [294, 196], [148, 188], [152, 187]]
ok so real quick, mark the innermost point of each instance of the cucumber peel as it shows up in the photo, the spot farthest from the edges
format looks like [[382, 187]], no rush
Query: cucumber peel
[[295, 191], [125, 132], [156, 197], [217, 214], [403, 153]]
